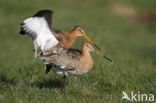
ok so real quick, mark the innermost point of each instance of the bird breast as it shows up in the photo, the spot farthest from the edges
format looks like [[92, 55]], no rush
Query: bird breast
[[84, 66]]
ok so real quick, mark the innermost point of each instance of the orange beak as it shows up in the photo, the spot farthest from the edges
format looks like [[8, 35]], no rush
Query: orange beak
[[89, 40], [98, 53]]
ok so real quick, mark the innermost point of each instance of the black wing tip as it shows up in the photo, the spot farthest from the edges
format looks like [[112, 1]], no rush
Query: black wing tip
[[47, 14], [22, 31], [43, 13]]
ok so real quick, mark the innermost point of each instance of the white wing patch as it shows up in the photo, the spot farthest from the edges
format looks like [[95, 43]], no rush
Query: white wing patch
[[45, 38]]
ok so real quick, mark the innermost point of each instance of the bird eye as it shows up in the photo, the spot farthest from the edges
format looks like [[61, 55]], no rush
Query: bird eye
[[80, 30]]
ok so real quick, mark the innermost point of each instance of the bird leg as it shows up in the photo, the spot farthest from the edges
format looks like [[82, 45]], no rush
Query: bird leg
[[64, 84]]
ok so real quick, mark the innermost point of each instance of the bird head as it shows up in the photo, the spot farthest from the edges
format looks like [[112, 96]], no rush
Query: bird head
[[88, 46], [80, 32]]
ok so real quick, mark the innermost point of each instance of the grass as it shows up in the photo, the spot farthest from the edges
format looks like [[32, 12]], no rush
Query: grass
[[129, 44]]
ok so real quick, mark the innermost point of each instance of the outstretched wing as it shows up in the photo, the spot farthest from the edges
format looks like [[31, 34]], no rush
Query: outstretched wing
[[39, 27]]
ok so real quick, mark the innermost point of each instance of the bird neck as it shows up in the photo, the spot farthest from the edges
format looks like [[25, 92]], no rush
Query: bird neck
[[71, 37], [87, 57]]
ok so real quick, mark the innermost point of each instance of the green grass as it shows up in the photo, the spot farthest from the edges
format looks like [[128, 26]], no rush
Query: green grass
[[132, 47]]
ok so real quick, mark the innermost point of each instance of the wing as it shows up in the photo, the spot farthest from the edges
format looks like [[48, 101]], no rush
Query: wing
[[69, 59], [39, 28]]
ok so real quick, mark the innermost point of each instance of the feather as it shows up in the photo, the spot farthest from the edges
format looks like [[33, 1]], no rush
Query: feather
[[44, 36]]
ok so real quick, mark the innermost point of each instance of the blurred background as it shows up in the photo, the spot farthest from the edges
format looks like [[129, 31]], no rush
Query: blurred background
[[124, 29]]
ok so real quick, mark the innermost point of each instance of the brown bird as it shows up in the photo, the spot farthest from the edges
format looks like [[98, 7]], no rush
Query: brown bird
[[73, 61], [46, 37]]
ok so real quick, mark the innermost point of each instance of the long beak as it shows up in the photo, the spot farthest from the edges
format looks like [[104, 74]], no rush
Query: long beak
[[89, 40], [98, 53]]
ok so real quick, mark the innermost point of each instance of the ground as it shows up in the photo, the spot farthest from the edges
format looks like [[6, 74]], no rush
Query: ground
[[129, 42]]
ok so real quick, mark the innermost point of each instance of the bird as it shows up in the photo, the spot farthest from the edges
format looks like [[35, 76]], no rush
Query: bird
[[47, 38], [73, 61]]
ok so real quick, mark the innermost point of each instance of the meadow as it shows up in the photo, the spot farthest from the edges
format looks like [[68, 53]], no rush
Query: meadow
[[128, 37]]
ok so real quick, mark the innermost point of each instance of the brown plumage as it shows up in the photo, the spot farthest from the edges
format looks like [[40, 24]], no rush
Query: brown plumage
[[67, 39], [42, 23], [46, 37], [73, 61]]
